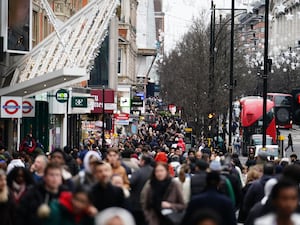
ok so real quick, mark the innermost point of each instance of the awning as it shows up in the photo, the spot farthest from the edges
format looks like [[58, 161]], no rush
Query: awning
[[46, 82]]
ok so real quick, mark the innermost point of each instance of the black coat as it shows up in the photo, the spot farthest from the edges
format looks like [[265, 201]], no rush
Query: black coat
[[212, 200], [255, 193], [8, 212], [137, 182], [198, 183], [108, 196]]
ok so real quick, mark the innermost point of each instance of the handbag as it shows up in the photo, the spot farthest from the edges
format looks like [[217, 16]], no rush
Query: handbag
[[172, 216]]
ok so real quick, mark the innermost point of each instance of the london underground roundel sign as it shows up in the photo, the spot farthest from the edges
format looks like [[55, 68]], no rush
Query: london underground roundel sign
[[11, 107]]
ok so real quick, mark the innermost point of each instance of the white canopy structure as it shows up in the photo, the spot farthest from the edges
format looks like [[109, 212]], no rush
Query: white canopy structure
[[67, 55]]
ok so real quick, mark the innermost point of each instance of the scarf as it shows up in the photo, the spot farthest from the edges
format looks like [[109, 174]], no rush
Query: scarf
[[18, 190], [159, 189]]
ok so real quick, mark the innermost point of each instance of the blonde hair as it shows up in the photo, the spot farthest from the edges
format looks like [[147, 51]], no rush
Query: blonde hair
[[253, 174]]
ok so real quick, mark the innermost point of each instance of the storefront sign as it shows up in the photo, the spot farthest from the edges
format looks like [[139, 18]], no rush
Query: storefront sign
[[109, 100], [62, 95], [79, 102]]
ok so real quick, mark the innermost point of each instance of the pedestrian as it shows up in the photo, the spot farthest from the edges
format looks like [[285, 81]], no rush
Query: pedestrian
[[264, 206], [290, 143], [104, 194], [38, 168], [284, 198], [7, 205], [198, 180], [72, 208], [205, 217], [19, 181], [32, 205], [137, 182], [212, 199], [160, 195], [114, 216], [87, 175], [113, 158], [15, 162], [256, 191]]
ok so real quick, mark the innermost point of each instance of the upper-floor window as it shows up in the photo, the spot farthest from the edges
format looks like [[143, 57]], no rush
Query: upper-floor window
[[119, 61]]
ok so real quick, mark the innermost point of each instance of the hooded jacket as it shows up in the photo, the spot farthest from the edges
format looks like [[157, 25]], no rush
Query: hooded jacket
[[85, 176]]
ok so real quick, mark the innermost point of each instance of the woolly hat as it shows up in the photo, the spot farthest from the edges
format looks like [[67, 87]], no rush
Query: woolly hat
[[161, 157]]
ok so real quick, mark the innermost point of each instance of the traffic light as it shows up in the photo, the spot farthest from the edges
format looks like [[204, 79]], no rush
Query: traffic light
[[211, 115]]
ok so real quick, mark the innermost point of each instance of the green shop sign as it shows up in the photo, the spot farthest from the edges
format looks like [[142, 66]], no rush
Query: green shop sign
[[79, 102], [62, 95]]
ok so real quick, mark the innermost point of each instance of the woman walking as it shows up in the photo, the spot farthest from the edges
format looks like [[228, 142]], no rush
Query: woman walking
[[160, 196]]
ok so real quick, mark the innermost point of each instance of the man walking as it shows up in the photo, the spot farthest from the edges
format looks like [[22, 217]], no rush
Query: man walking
[[290, 143]]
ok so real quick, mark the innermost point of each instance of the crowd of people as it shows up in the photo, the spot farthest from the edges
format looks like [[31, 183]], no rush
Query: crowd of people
[[150, 178]]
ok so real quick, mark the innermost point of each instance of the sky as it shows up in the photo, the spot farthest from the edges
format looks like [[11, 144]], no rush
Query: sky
[[179, 15]]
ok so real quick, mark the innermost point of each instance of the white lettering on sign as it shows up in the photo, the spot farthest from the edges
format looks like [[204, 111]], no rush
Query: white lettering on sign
[[79, 101]]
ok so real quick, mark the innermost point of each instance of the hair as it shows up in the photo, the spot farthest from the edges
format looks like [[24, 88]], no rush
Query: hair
[[202, 165], [213, 179], [113, 149], [252, 174], [12, 175], [83, 189], [200, 216], [58, 150], [147, 159], [43, 157], [269, 168], [102, 163], [292, 172], [283, 183], [106, 215], [165, 165], [52, 166]]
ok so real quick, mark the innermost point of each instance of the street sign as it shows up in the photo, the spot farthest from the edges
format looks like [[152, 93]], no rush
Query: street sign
[[79, 102], [62, 95], [28, 107], [11, 107]]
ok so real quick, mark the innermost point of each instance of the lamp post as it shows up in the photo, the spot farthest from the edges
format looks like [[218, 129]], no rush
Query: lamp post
[[103, 116], [231, 74], [265, 75]]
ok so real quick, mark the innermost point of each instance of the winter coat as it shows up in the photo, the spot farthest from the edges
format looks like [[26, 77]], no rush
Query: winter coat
[[198, 183], [61, 213], [7, 210], [107, 196], [255, 193], [85, 176], [137, 182], [173, 195], [30, 202], [212, 199]]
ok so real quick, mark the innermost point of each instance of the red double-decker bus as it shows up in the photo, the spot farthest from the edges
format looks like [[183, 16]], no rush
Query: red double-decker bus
[[252, 120], [283, 108]]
